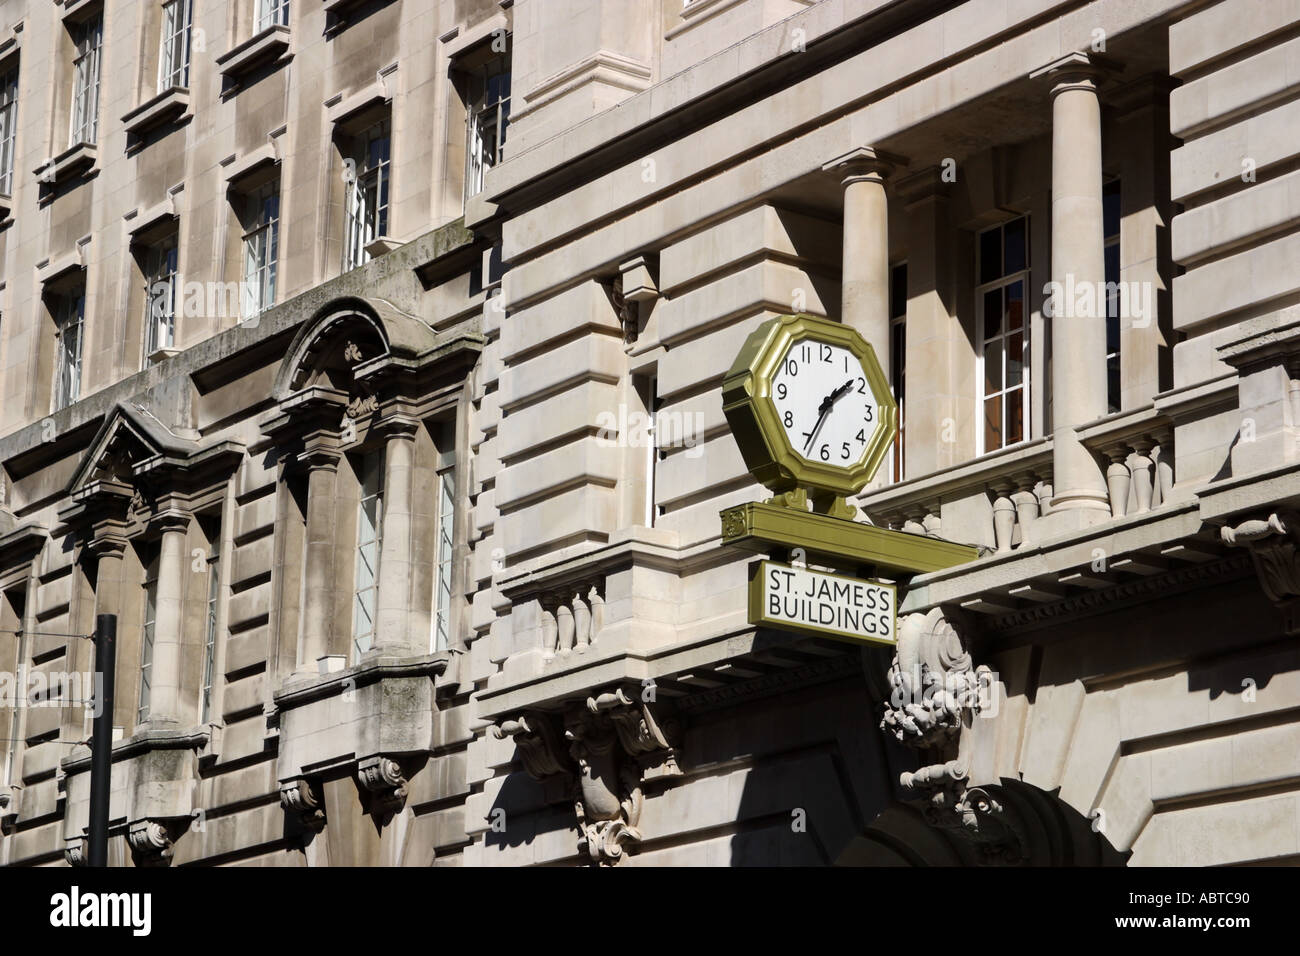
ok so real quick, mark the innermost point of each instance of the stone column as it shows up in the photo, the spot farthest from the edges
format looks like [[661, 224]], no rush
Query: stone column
[[392, 630], [165, 693], [318, 612], [1078, 263], [864, 290], [109, 547]]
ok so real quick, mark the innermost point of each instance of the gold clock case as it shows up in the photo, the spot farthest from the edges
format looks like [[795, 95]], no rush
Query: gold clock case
[[747, 403]]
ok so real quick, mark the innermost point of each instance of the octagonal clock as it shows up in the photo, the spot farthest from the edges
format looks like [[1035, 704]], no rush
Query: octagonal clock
[[809, 406]]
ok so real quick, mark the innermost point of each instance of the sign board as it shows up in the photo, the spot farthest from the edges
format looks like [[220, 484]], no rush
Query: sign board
[[820, 604]]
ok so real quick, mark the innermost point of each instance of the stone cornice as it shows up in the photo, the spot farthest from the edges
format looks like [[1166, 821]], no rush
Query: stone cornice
[[295, 693], [143, 742]]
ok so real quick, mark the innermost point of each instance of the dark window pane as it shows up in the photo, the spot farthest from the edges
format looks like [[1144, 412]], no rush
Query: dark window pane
[[1015, 359], [992, 313], [897, 291], [1015, 416], [1015, 305], [992, 367], [990, 255], [1112, 334], [1112, 262], [1016, 244], [993, 423], [1110, 208], [1112, 383]]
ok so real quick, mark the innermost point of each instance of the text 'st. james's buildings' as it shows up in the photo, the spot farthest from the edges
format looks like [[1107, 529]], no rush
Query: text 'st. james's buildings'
[[366, 360]]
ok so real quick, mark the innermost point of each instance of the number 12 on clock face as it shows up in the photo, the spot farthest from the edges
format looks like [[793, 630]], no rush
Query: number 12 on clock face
[[824, 403]]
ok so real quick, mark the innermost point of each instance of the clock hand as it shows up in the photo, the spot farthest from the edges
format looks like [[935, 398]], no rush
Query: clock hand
[[825, 408]]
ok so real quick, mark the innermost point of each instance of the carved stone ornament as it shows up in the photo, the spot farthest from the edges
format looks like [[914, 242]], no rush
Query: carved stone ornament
[[77, 852], [152, 842], [935, 692], [617, 744], [302, 798], [1271, 543], [539, 744], [386, 781]]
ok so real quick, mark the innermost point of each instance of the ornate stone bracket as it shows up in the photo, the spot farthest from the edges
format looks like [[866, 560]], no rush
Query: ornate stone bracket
[[302, 798], [935, 692], [77, 852], [386, 781], [153, 841], [614, 745], [1271, 543]]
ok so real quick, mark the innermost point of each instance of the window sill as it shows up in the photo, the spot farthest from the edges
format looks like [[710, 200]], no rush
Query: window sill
[[169, 106], [381, 245], [266, 46], [74, 10], [162, 355], [71, 163], [337, 7]]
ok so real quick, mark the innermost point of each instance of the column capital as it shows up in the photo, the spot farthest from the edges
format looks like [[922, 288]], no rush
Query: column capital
[[169, 519], [1077, 70], [321, 455], [401, 427], [864, 163]]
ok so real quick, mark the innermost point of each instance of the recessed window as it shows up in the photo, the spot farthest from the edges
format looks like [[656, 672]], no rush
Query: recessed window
[[210, 626], [160, 297], [261, 248], [88, 38], [174, 55], [1110, 217], [148, 623], [369, 540], [442, 599], [898, 353], [272, 13], [488, 113], [70, 317], [1003, 334], [8, 129], [366, 172]]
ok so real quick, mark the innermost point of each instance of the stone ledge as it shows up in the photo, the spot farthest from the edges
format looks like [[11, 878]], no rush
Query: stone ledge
[[169, 106], [267, 45], [76, 161]]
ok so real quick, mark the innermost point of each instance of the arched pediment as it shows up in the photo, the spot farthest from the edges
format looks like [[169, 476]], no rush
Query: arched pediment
[[343, 334]]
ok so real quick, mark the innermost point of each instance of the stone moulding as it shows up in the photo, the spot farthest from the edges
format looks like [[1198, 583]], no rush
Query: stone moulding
[[1271, 543]]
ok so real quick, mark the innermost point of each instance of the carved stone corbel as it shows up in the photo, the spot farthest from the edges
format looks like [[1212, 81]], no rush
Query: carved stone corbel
[[77, 852], [1271, 543], [386, 781], [302, 798], [618, 745], [935, 692], [539, 743], [152, 842]]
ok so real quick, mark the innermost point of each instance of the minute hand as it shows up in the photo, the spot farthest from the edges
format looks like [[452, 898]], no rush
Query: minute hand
[[825, 409]]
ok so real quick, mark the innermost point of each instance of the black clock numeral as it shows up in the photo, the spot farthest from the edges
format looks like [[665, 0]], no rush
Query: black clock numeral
[[807, 356], [862, 386], [861, 435], [781, 390], [826, 452], [791, 367], [789, 419], [825, 352], [868, 417], [846, 363], [844, 451]]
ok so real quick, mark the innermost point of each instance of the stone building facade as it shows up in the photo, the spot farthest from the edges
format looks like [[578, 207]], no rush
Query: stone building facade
[[364, 358]]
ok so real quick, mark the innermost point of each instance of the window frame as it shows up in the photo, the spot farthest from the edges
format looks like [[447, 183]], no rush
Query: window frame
[[1111, 240], [211, 624], [365, 465], [70, 315], [366, 174], [270, 13], [161, 266], [8, 128], [87, 73], [260, 241], [148, 628], [982, 340], [898, 361], [478, 80], [174, 44]]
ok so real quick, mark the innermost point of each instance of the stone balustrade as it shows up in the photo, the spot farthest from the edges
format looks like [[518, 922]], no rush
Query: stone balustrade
[[1137, 455], [572, 617]]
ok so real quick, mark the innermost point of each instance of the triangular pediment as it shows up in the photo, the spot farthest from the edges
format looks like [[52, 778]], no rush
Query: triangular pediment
[[128, 438]]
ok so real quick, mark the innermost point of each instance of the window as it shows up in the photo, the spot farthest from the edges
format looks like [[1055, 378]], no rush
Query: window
[[261, 248], [12, 615], [174, 57], [8, 129], [1110, 226], [446, 542], [160, 298], [210, 628], [898, 353], [70, 319], [271, 13], [1003, 335], [367, 175], [89, 40], [489, 116], [147, 624], [369, 540]]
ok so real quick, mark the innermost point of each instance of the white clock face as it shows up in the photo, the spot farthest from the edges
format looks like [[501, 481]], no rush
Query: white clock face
[[824, 402]]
